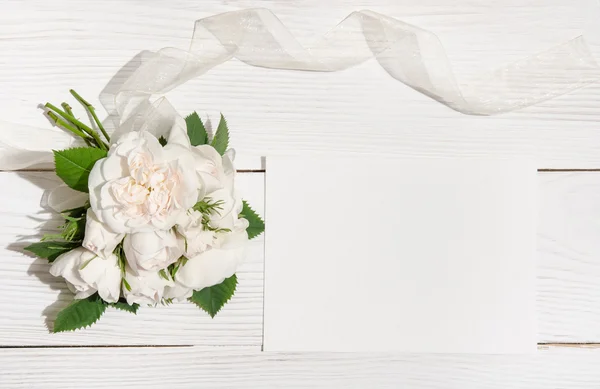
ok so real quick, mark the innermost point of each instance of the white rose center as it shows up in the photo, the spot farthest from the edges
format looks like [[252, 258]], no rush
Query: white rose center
[[149, 190]]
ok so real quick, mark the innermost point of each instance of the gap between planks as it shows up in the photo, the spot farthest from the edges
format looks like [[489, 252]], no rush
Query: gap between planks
[[540, 346]]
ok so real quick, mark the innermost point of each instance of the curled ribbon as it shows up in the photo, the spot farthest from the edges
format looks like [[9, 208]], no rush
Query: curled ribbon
[[408, 53]]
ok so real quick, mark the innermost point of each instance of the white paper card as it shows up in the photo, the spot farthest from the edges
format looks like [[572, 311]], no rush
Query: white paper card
[[410, 255]]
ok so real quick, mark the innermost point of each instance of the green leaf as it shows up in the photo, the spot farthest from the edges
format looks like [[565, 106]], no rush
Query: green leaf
[[123, 306], [221, 140], [213, 298], [79, 314], [126, 284], [76, 212], [163, 274], [73, 166], [51, 249], [256, 225], [73, 230], [196, 130], [162, 140]]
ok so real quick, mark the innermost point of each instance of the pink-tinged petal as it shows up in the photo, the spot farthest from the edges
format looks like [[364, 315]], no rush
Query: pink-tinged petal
[[142, 186]]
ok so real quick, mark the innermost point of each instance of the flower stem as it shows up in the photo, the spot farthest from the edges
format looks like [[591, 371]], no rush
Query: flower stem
[[59, 122], [67, 109], [79, 125], [90, 108]]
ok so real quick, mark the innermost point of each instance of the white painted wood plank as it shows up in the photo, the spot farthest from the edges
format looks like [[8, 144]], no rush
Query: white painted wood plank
[[29, 295], [568, 300], [49, 47], [195, 368], [569, 257]]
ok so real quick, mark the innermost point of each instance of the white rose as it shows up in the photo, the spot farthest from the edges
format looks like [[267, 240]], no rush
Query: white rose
[[178, 292], [142, 186], [151, 251], [196, 238], [146, 288], [211, 267], [215, 171], [98, 237], [227, 216], [86, 273]]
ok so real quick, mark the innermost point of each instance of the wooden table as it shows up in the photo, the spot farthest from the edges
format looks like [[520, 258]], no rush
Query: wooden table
[[48, 47]]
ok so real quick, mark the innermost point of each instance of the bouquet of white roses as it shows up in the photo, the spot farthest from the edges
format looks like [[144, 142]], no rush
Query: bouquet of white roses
[[163, 221]]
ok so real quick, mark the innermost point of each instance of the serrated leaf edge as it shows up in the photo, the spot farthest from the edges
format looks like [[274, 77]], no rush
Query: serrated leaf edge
[[222, 128], [205, 133], [118, 307], [103, 305], [245, 203], [224, 302], [58, 153]]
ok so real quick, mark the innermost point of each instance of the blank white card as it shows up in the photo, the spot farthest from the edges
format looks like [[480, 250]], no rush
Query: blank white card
[[410, 255]]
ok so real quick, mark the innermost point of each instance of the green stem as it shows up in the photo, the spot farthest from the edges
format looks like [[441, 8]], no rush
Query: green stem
[[59, 122], [92, 112], [79, 125], [67, 109]]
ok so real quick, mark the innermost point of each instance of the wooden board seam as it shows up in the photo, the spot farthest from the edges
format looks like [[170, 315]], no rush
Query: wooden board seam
[[541, 346]]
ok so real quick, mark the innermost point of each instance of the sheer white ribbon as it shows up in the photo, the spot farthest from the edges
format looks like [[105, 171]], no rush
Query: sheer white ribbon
[[410, 54]]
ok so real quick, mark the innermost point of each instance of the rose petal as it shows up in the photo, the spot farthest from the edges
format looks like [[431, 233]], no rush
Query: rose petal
[[104, 275], [212, 266], [178, 135]]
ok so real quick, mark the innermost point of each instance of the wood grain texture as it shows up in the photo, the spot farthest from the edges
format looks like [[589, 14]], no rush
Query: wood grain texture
[[568, 301], [30, 296], [569, 257], [49, 47], [201, 368]]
